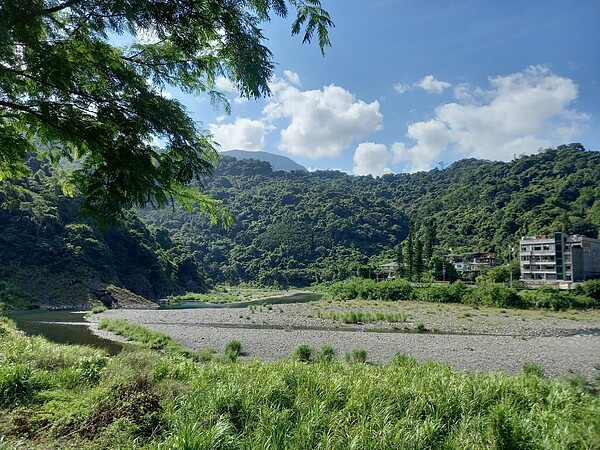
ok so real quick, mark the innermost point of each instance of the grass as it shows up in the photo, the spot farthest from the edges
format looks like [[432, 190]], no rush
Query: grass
[[72, 397], [356, 316], [227, 294]]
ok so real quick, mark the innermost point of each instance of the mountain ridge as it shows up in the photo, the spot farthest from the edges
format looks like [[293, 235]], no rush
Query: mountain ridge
[[278, 162]]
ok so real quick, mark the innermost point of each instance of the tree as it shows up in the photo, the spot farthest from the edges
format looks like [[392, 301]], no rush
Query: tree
[[69, 93], [430, 239], [418, 260], [409, 251]]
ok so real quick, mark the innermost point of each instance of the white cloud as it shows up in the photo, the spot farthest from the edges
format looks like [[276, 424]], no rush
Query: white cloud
[[322, 122], [433, 86], [370, 158], [225, 84], [401, 88], [518, 114], [243, 134], [292, 77]]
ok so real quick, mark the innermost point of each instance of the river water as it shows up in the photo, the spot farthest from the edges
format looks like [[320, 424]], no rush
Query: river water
[[70, 327], [63, 327]]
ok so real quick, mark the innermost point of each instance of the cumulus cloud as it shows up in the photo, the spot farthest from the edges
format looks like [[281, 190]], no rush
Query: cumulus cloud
[[370, 159], [518, 114], [242, 134], [322, 122], [432, 85]]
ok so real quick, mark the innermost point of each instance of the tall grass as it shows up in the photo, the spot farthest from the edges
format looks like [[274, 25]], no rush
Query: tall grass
[[153, 400], [352, 317]]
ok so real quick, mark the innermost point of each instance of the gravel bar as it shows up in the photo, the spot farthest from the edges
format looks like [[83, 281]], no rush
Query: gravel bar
[[561, 347]]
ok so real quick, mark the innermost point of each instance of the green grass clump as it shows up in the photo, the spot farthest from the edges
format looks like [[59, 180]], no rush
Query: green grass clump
[[354, 317], [99, 309], [233, 349], [326, 354], [303, 353], [358, 355], [142, 336]]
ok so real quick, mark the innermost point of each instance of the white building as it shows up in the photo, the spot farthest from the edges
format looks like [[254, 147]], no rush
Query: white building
[[559, 258]]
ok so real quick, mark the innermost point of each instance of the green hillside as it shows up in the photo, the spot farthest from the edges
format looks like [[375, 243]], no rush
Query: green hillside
[[299, 228], [50, 256]]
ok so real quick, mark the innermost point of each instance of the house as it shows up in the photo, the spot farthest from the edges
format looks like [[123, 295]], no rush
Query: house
[[559, 258], [390, 268]]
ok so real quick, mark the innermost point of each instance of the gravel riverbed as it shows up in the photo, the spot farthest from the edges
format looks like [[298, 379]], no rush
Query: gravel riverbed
[[472, 339]]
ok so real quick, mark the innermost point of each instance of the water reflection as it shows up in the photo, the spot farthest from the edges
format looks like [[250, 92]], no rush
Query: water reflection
[[62, 327]]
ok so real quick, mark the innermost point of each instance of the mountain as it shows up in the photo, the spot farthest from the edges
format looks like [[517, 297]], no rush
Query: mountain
[[297, 228], [278, 162], [50, 256]]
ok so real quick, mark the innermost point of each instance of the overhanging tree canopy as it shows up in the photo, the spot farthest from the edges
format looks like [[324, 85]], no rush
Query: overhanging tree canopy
[[68, 91]]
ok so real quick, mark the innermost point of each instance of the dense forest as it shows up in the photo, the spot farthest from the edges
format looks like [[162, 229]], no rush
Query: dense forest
[[297, 228], [289, 228], [51, 256]]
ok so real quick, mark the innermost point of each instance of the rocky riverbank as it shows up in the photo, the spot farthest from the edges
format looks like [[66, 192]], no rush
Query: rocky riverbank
[[483, 339]]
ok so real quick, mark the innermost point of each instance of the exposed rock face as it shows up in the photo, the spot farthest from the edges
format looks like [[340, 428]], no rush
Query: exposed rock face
[[116, 297]]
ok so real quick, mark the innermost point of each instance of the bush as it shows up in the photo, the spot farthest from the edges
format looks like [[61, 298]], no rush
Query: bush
[[366, 289], [494, 294], [550, 298], [445, 293], [591, 288]]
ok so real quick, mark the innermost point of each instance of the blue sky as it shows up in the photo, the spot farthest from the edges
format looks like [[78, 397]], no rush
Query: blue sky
[[410, 85]]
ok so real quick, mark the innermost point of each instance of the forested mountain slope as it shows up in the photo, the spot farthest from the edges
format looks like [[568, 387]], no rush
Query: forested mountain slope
[[50, 256], [296, 228]]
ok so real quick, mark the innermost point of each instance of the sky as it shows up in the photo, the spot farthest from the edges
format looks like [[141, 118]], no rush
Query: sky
[[409, 85]]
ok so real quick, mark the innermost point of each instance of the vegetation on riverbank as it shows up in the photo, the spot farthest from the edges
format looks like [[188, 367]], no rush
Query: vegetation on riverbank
[[57, 396], [228, 294], [484, 293]]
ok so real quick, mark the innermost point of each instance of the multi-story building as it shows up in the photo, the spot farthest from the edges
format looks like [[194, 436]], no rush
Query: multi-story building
[[559, 258]]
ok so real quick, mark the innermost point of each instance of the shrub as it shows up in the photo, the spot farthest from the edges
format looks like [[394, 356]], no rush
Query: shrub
[[591, 288], [366, 289], [494, 294], [205, 354]]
